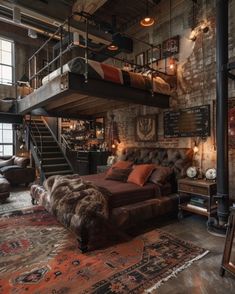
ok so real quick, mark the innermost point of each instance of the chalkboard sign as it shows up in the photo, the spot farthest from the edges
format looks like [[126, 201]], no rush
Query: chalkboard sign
[[188, 122]]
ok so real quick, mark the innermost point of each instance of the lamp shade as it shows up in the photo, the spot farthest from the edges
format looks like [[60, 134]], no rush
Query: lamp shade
[[147, 20], [112, 47]]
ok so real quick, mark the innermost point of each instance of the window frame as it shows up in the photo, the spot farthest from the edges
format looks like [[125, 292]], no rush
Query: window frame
[[3, 38], [7, 144]]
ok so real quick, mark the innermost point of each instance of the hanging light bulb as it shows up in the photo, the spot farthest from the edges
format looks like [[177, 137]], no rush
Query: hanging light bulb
[[147, 21], [112, 47], [172, 63]]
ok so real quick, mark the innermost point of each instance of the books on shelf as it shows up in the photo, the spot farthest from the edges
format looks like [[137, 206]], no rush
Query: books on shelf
[[201, 202], [196, 207]]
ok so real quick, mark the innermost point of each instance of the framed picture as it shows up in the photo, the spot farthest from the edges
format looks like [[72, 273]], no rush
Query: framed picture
[[139, 58], [146, 128], [156, 54], [170, 46]]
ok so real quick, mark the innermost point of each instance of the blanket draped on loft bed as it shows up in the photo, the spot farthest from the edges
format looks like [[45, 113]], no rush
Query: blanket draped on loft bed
[[67, 91], [102, 71]]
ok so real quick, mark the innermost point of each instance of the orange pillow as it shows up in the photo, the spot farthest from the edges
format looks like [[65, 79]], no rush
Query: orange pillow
[[122, 164], [141, 173]]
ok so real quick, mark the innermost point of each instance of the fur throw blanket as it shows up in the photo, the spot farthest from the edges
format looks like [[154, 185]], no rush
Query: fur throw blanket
[[76, 202]]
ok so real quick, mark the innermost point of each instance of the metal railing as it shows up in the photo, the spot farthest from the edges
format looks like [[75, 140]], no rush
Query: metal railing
[[35, 148]]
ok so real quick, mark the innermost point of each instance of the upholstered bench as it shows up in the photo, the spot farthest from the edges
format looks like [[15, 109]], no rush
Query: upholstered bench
[[4, 188]]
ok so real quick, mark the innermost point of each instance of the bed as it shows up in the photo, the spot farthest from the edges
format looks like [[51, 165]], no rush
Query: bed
[[107, 87], [127, 203]]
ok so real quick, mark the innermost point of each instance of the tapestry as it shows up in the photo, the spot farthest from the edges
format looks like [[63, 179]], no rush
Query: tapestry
[[39, 255]]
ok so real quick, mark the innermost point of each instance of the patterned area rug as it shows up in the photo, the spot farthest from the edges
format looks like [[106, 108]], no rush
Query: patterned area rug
[[19, 199], [38, 255]]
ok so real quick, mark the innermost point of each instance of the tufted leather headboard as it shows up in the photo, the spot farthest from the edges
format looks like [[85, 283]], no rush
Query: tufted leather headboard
[[177, 158]]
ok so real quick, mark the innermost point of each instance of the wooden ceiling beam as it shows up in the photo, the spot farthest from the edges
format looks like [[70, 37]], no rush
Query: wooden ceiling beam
[[76, 103], [101, 108], [60, 102], [89, 6]]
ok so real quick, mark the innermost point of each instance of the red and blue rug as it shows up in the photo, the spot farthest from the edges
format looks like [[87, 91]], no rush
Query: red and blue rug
[[38, 255]]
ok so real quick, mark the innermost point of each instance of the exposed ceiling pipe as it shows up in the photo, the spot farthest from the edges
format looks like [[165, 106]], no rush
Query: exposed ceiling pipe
[[26, 26], [94, 34]]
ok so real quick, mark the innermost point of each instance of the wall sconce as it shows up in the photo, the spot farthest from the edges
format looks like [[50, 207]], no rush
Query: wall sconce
[[147, 20], [195, 147], [172, 63], [203, 27], [193, 35], [113, 136]]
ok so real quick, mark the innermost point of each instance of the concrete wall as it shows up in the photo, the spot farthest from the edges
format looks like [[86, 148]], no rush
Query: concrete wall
[[24, 49], [196, 73]]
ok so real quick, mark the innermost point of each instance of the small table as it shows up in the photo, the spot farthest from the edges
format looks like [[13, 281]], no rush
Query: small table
[[199, 192]]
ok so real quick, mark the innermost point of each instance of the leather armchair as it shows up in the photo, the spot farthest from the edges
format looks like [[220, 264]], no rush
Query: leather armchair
[[15, 170]]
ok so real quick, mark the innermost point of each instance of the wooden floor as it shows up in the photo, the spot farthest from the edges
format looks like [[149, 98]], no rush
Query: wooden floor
[[203, 275]]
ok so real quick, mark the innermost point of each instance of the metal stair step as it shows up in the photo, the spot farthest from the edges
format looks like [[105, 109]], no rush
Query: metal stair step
[[61, 172], [51, 154], [55, 167]]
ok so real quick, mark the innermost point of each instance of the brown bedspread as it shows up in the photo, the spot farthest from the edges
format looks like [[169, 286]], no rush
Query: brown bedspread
[[124, 193]]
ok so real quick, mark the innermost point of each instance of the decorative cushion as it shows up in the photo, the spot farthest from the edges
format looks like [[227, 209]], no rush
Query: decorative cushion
[[118, 174], [161, 175], [141, 173], [21, 161], [7, 162], [123, 164]]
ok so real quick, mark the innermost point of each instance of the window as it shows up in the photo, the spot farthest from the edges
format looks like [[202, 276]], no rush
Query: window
[[6, 139], [6, 61]]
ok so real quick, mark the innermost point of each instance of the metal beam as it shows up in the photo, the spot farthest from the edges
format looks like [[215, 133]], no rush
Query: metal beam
[[222, 111]]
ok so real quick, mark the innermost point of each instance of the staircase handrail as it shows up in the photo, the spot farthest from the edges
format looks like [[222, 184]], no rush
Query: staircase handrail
[[39, 150], [33, 146], [65, 142], [59, 145]]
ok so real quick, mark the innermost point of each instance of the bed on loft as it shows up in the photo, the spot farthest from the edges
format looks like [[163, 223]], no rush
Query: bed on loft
[[106, 88]]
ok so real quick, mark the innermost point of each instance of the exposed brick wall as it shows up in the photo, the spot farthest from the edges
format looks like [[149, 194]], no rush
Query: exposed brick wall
[[196, 75]]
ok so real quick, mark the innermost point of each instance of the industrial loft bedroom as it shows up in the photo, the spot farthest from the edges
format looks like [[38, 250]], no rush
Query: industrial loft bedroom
[[117, 146]]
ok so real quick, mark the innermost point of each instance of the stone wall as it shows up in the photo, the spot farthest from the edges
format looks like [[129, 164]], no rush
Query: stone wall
[[196, 75]]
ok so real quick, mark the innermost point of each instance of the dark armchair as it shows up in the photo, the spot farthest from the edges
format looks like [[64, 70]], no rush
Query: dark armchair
[[15, 169]]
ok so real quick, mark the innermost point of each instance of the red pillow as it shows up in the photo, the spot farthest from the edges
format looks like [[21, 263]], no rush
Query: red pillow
[[122, 164], [118, 174], [141, 173]]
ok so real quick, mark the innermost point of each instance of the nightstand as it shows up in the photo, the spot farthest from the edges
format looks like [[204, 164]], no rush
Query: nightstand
[[200, 197], [102, 168]]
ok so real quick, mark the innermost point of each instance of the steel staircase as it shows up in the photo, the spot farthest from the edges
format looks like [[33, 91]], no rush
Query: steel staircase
[[46, 150]]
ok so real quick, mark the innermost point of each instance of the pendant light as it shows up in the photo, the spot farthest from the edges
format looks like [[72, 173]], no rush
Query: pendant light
[[114, 45], [171, 58], [147, 21]]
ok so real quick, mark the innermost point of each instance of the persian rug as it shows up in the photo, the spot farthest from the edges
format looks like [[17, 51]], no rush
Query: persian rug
[[38, 255]]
